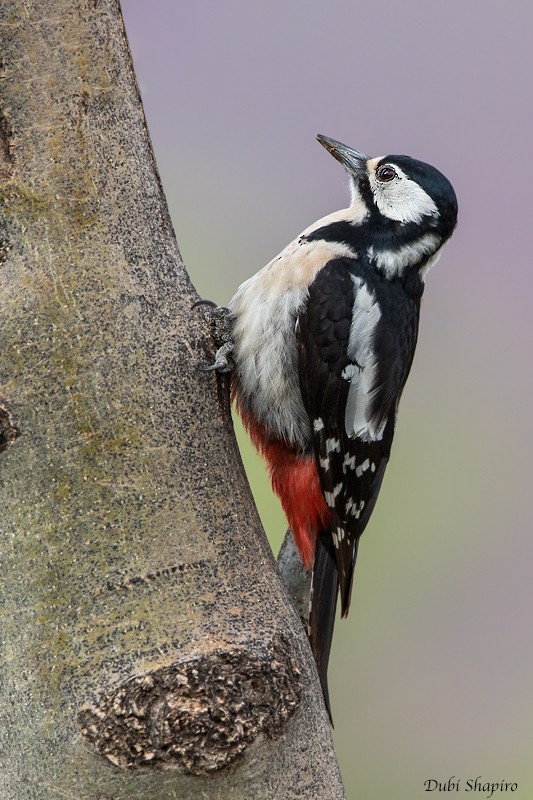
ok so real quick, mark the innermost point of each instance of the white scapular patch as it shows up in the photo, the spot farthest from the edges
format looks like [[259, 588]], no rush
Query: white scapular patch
[[318, 424], [329, 497], [362, 467], [394, 262], [401, 199], [365, 318], [266, 307]]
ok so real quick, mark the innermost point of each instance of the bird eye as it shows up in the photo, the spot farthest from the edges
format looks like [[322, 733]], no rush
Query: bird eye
[[386, 173]]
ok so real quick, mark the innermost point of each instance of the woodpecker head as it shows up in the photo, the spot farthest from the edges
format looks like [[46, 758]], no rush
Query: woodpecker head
[[405, 202]]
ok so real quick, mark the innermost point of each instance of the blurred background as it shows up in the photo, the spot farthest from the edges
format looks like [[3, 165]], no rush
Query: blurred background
[[432, 674]]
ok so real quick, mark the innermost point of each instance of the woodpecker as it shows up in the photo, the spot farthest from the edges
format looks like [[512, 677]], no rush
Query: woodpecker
[[323, 341]]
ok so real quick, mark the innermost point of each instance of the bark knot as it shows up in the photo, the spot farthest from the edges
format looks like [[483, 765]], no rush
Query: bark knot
[[6, 144], [200, 713], [8, 429]]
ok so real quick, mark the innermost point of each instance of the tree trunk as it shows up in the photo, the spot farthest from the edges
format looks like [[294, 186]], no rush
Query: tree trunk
[[149, 649]]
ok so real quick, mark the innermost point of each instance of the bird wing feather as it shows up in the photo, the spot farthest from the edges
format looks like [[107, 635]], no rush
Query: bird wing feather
[[339, 382]]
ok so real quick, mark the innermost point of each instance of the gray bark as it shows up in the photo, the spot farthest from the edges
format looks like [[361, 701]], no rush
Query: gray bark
[[295, 576], [149, 648]]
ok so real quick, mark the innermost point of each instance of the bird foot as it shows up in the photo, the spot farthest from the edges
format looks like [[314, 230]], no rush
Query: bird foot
[[221, 320], [222, 363]]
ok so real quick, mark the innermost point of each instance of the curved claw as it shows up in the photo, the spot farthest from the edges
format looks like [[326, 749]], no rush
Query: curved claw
[[218, 314], [208, 303], [222, 363]]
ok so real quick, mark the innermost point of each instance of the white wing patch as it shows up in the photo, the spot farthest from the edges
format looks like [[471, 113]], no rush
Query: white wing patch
[[365, 318]]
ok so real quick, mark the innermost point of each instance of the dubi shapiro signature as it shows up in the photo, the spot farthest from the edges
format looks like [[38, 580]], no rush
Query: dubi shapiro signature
[[479, 784]]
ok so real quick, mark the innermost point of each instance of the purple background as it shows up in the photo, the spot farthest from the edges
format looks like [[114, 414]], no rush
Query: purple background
[[431, 675]]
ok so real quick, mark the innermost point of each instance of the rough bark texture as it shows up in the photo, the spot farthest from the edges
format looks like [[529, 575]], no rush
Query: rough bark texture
[[295, 577], [149, 649]]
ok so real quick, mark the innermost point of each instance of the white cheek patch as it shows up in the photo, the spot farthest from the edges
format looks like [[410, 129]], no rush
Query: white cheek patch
[[402, 199]]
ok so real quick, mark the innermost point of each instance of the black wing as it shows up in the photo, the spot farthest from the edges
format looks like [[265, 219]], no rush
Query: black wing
[[338, 391], [356, 338]]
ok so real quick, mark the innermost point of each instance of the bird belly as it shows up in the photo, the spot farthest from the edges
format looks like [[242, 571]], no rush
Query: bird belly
[[265, 382], [266, 306]]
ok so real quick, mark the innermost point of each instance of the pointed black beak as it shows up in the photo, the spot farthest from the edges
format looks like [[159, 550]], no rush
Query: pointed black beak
[[350, 159]]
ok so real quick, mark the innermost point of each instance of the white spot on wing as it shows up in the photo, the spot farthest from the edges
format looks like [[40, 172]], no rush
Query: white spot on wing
[[333, 445], [348, 463], [349, 371], [354, 509], [362, 467], [318, 424], [329, 497]]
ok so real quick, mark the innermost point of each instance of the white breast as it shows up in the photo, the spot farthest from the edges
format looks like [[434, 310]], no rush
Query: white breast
[[266, 307]]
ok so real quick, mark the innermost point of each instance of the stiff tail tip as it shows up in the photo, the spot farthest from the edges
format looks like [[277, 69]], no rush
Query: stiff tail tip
[[323, 604]]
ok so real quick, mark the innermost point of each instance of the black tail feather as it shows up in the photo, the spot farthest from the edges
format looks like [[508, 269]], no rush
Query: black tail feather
[[323, 604], [346, 584]]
